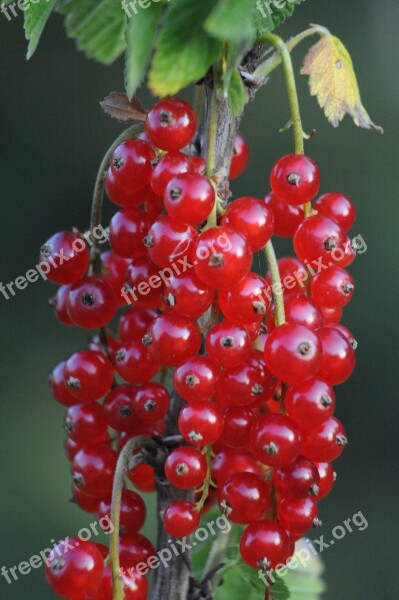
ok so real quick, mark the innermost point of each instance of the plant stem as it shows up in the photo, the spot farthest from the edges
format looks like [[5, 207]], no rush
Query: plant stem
[[208, 479], [296, 120], [211, 147], [272, 264], [98, 194]]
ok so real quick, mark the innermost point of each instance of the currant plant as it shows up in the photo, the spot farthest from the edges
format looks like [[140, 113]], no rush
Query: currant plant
[[205, 382]]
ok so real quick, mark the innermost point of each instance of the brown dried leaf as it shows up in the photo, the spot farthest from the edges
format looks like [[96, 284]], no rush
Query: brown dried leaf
[[118, 106]]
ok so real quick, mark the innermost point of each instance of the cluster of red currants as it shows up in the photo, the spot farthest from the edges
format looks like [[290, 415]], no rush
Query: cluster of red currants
[[257, 429]]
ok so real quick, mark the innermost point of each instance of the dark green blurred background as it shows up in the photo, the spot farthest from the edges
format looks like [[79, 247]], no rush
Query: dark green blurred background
[[52, 136]]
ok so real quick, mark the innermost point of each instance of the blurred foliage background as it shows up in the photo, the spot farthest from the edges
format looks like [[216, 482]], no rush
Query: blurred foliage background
[[52, 137]]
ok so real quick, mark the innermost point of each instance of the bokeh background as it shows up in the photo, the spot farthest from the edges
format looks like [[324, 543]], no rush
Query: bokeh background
[[52, 136]]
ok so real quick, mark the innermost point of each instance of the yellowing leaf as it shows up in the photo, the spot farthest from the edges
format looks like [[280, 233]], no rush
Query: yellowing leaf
[[333, 80]]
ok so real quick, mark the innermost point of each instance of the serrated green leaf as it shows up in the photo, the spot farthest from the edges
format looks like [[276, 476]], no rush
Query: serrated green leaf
[[184, 50], [98, 26], [232, 21], [140, 39], [35, 19], [238, 95], [268, 16]]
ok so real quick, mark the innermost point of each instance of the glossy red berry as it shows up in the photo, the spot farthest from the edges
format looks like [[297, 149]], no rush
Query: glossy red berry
[[345, 332], [187, 296], [240, 159], [310, 403], [195, 379], [294, 276], [151, 401], [223, 257], [186, 468], [91, 303], [275, 440], [331, 315], [287, 217], [298, 515], [201, 423], [170, 166], [338, 360], [171, 338], [326, 443], [127, 229], [326, 479], [135, 323], [122, 195], [88, 375], [244, 385], [263, 544], [228, 462], [189, 198], [118, 408], [64, 258], [93, 470], [134, 363], [295, 179], [181, 518], [171, 124], [333, 287], [134, 548], [298, 309], [238, 422], [134, 586], [143, 477], [114, 272], [169, 241], [86, 423], [83, 501], [59, 388], [74, 566], [244, 497], [143, 283], [337, 207], [131, 164], [132, 514], [228, 345], [59, 303], [293, 353], [252, 218], [299, 479], [319, 238], [246, 302]]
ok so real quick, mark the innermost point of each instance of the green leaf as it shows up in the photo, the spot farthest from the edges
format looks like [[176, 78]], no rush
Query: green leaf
[[35, 17], [140, 38], [184, 51], [232, 21], [268, 16], [97, 25], [238, 95]]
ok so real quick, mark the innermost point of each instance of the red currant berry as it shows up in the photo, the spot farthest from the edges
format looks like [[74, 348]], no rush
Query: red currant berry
[[135, 323], [195, 379], [139, 274], [186, 468], [85, 502], [122, 195], [134, 548], [86, 423], [346, 333], [132, 514], [252, 218], [65, 256], [244, 497], [246, 302], [131, 164], [299, 479], [91, 303], [238, 422], [118, 407], [243, 385], [59, 303], [88, 375], [189, 198], [171, 338], [71, 448], [319, 239], [228, 345], [143, 477], [223, 257], [151, 402], [310, 403], [73, 567], [293, 353], [327, 478], [201, 423], [294, 276], [153, 206], [127, 230], [170, 241], [187, 296], [333, 287], [298, 515], [229, 462], [114, 272], [134, 586], [134, 363], [298, 309], [337, 207], [326, 443], [331, 315], [295, 179], [276, 440], [181, 518], [339, 359], [171, 124], [170, 165], [263, 544], [198, 164], [93, 470], [287, 217], [59, 388], [240, 159]]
